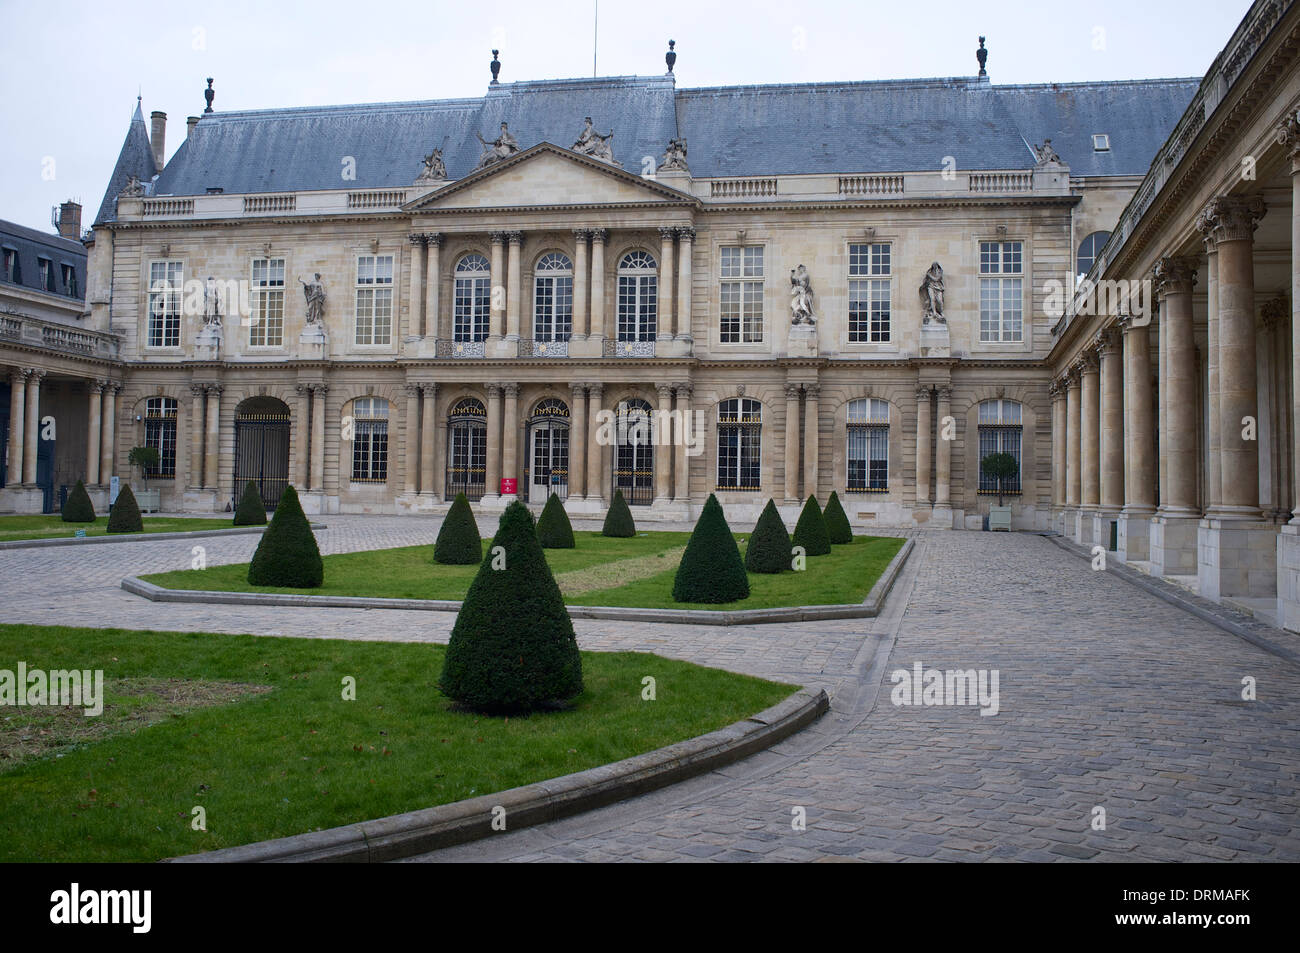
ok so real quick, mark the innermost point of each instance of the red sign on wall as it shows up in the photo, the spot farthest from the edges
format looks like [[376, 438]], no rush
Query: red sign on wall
[[509, 486]]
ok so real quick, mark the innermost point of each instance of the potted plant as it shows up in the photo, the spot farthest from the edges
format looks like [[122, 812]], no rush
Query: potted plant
[[1000, 467], [146, 458]]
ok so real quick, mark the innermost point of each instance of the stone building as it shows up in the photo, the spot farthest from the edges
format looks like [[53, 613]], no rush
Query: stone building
[[803, 288], [1174, 410]]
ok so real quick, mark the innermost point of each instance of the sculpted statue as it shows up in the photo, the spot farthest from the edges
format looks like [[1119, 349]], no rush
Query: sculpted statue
[[674, 158], [591, 143], [314, 292], [211, 305], [801, 297], [932, 295], [1046, 153], [134, 188], [502, 147], [434, 170]]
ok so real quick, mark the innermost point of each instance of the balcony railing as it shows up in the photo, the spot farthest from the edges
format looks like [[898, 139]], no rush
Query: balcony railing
[[1002, 181], [37, 332], [871, 184]]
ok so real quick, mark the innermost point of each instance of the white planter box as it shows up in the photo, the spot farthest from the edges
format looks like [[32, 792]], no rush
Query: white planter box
[[149, 501], [1000, 518]]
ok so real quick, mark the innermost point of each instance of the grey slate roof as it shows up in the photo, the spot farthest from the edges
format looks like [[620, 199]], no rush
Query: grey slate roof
[[31, 245], [136, 158], [887, 126]]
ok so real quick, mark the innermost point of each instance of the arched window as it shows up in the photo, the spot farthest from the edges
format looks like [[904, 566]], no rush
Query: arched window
[[553, 298], [160, 433], [638, 291], [369, 440], [999, 432], [548, 442], [1088, 250], [473, 299], [868, 450], [634, 467], [740, 444], [466, 449]]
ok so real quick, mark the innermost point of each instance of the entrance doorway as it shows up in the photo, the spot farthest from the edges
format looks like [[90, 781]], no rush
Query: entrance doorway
[[262, 448], [548, 445]]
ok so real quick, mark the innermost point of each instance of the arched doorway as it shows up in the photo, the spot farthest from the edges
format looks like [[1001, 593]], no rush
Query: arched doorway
[[548, 450], [467, 449], [634, 452], [262, 448]]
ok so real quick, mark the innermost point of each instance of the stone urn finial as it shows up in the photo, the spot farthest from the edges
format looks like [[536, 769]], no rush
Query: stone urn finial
[[983, 56], [671, 56], [495, 66], [209, 94]]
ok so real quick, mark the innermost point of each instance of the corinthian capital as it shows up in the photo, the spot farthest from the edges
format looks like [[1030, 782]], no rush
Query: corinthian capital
[[1288, 137], [1230, 218], [1174, 276]]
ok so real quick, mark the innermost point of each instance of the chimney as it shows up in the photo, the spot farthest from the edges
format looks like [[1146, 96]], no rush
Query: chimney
[[190, 123], [158, 138], [68, 220]]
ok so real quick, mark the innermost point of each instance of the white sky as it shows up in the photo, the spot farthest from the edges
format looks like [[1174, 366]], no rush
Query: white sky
[[70, 71]]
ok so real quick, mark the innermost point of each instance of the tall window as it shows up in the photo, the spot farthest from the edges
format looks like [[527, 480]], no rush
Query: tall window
[[11, 269], [1001, 291], [634, 452], [742, 294], [70, 280], [868, 450], [466, 449], [160, 433], [369, 440], [165, 288], [740, 444], [999, 432], [473, 299], [375, 299], [47, 274], [638, 289], [267, 322], [553, 298], [1088, 249], [869, 293]]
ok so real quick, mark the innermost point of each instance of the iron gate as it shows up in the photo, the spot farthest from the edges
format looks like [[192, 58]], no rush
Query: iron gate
[[262, 455]]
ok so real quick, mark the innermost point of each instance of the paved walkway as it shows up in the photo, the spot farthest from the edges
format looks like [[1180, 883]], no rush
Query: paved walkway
[[1109, 698]]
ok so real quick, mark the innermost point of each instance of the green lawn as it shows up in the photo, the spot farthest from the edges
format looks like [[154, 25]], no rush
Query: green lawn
[[636, 572], [254, 730], [48, 527]]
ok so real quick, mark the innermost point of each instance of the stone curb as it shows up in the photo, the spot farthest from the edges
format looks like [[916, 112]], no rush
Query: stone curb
[[1185, 601], [418, 832], [135, 537], [867, 609]]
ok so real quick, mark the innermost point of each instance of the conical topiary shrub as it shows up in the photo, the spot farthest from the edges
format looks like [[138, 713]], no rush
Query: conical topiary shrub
[[553, 527], [125, 516], [252, 511], [512, 648], [458, 541], [837, 521], [711, 569], [618, 521], [769, 544], [810, 531], [287, 554], [78, 508]]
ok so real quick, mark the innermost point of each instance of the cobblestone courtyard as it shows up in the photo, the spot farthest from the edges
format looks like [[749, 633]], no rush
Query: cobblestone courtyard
[[1109, 698]]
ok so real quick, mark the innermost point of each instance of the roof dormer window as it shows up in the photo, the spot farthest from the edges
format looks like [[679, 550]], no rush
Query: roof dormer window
[[1101, 142]]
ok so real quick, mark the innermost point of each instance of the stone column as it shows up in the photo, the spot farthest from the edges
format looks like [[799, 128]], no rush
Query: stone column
[[319, 396], [686, 434], [1174, 278], [1288, 543], [811, 420], [1090, 438], [428, 439], [791, 443], [595, 452], [515, 287], [510, 439], [1139, 443], [665, 296], [598, 236], [943, 461], [32, 435], [1057, 391], [663, 456], [411, 458], [108, 433], [1112, 422], [94, 419], [923, 446], [300, 478], [212, 437], [496, 311], [17, 424], [492, 489], [685, 240], [195, 438], [433, 287], [1214, 475], [415, 296], [577, 441], [1073, 442], [581, 280]]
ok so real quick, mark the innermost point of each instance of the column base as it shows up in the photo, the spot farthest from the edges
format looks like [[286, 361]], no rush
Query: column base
[[584, 506], [1102, 521], [941, 516], [666, 508], [1236, 558], [1133, 538], [20, 498], [1081, 530], [195, 500], [314, 502], [1288, 577], [1173, 545]]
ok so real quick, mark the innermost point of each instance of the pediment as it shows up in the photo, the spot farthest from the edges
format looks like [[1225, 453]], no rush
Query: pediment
[[547, 175]]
